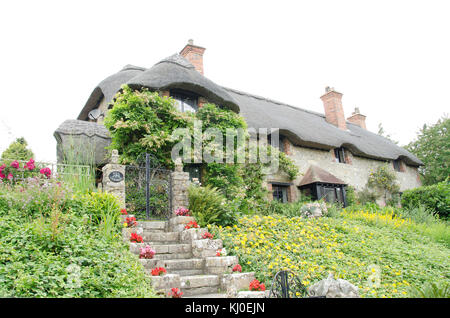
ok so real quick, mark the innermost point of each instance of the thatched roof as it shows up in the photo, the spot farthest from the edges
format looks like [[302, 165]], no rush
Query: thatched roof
[[307, 128], [302, 127], [315, 174], [170, 73]]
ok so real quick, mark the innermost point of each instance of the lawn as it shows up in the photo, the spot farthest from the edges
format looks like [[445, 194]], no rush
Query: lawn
[[381, 254]]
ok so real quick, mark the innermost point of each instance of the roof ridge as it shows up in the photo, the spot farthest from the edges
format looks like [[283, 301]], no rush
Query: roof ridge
[[273, 101]]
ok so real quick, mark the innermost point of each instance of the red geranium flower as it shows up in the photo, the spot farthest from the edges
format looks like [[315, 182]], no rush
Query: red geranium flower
[[124, 212], [256, 285], [158, 271], [175, 293], [207, 235], [135, 238], [191, 224], [131, 221], [237, 268]]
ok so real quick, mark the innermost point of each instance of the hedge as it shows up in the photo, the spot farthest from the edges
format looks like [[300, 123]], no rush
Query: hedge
[[435, 197]]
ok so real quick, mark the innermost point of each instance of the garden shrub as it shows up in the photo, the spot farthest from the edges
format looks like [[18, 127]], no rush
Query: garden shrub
[[51, 247], [100, 207], [208, 206], [435, 197], [350, 195]]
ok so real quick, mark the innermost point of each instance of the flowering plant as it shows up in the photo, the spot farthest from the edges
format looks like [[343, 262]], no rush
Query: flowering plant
[[123, 212], [175, 293], [46, 172], [237, 268], [256, 285], [147, 252], [182, 212], [158, 271], [191, 224], [131, 221], [135, 238], [207, 235], [9, 172], [221, 252]]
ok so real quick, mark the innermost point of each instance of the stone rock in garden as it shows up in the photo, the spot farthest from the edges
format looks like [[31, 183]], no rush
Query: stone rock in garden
[[252, 294], [237, 281], [334, 288]]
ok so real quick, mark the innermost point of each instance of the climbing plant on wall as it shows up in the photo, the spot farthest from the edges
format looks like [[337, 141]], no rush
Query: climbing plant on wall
[[143, 121]]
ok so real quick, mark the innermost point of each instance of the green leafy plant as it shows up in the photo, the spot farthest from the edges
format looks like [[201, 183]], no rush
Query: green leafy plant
[[434, 197], [431, 147], [430, 290], [384, 182], [208, 206]]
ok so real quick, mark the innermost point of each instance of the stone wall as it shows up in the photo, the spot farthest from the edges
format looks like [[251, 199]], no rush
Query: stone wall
[[179, 183], [355, 173], [113, 185]]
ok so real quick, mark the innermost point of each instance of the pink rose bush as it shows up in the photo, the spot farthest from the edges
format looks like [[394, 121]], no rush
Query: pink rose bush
[[11, 173]]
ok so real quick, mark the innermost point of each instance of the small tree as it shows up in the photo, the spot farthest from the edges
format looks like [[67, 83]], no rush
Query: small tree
[[384, 182], [18, 150], [432, 147]]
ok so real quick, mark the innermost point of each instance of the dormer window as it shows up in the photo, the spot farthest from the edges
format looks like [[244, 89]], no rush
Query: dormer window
[[185, 101], [339, 155]]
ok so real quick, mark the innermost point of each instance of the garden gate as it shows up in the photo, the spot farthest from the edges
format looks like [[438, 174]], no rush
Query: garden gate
[[148, 189]]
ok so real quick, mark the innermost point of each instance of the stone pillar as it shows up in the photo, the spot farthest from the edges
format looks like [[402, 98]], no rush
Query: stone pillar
[[180, 184], [114, 178]]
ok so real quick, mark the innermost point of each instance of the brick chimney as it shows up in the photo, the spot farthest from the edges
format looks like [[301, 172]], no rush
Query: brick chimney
[[357, 118], [334, 112], [194, 54]]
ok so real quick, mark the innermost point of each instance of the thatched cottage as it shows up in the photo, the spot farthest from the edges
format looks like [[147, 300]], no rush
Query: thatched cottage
[[331, 151]]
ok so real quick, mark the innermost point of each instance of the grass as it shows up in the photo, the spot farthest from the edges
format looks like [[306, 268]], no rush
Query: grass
[[358, 246]]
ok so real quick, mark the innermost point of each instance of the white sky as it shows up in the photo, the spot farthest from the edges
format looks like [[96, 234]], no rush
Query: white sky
[[389, 58]]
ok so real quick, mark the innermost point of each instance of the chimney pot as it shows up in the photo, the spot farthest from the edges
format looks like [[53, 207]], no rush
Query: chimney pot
[[357, 118], [334, 112], [194, 54]]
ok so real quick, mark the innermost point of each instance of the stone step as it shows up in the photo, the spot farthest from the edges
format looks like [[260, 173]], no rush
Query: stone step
[[187, 272], [196, 281], [173, 256], [151, 236], [200, 291], [199, 284], [163, 248], [153, 225], [183, 264]]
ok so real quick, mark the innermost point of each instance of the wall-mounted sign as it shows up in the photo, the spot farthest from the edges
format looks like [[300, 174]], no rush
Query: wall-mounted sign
[[115, 176]]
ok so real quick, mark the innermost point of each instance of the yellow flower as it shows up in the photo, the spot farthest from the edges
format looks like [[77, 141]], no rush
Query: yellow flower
[[125, 224]]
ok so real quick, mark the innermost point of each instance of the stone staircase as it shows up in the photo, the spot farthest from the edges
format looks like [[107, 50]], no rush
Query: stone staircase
[[190, 261]]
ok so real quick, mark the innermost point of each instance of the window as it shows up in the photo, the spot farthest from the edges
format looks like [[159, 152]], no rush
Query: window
[[339, 155], [280, 193], [281, 142], [331, 193], [185, 101], [397, 165]]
